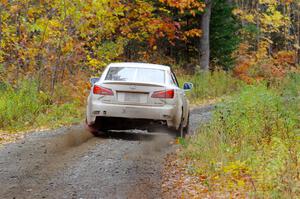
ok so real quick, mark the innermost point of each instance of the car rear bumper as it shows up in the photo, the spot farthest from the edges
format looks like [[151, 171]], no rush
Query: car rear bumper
[[162, 113]]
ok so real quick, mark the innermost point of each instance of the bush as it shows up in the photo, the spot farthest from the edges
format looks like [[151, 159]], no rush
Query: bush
[[210, 85], [252, 144], [58, 115], [19, 106], [25, 107], [290, 86]]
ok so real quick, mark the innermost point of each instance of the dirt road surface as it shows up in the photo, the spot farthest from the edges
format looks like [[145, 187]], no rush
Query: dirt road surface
[[71, 163]]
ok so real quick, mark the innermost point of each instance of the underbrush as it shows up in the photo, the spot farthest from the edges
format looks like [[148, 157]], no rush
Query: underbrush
[[210, 85], [25, 108], [251, 147]]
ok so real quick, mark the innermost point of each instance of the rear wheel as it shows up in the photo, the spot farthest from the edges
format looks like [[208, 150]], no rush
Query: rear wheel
[[187, 127], [100, 125], [183, 130], [91, 128]]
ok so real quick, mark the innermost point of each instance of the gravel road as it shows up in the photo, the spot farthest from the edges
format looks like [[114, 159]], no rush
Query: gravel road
[[71, 163]]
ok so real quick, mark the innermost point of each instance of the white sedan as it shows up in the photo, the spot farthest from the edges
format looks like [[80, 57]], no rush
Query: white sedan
[[137, 96]]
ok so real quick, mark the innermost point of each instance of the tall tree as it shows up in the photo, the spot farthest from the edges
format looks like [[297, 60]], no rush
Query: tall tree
[[224, 30], [204, 46]]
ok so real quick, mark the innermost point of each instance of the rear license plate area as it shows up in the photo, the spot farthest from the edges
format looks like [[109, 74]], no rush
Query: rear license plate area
[[127, 97]]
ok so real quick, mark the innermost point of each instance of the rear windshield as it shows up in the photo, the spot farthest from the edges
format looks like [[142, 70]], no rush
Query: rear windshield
[[132, 74]]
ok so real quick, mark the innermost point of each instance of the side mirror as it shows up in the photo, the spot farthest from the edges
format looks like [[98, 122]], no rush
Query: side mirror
[[188, 86], [93, 80]]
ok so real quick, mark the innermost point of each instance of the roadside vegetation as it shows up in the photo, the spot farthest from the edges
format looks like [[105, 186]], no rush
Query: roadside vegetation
[[26, 108], [251, 146], [210, 85]]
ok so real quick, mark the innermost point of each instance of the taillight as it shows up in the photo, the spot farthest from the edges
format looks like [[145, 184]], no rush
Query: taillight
[[102, 91], [169, 94]]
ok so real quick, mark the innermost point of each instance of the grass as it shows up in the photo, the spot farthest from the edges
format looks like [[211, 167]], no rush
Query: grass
[[251, 146], [26, 108], [210, 85]]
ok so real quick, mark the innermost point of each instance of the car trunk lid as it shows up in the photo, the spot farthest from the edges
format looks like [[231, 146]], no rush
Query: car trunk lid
[[134, 93]]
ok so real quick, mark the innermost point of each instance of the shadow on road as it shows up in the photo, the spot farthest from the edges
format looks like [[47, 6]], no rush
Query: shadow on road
[[129, 135]]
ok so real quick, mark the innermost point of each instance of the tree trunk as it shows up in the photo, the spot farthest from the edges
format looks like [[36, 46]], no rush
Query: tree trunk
[[258, 26], [204, 48], [0, 26], [298, 37], [17, 57]]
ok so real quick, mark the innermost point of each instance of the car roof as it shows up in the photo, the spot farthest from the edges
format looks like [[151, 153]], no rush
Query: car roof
[[142, 65]]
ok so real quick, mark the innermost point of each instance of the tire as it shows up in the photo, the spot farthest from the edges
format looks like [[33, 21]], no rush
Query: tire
[[91, 128], [183, 130], [187, 127], [101, 125]]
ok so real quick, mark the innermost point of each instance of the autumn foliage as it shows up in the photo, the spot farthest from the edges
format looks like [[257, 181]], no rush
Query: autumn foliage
[[54, 42], [270, 47]]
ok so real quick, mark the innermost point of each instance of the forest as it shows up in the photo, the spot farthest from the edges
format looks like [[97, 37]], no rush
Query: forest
[[242, 54]]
